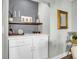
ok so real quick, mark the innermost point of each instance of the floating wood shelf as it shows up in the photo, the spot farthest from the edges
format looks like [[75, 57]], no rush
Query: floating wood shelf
[[20, 23], [13, 34]]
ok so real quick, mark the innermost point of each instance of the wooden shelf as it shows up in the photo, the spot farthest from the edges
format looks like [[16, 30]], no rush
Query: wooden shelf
[[20, 23], [13, 34]]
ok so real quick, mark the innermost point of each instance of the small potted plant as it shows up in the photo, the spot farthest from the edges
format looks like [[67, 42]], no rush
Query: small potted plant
[[74, 38]]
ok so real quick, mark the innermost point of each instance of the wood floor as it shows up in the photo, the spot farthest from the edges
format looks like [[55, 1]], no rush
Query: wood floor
[[68, 57]]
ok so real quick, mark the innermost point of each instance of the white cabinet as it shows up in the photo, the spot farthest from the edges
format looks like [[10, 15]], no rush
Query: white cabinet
[[40, 44], [21, 52], [31, 47], [20, 48]]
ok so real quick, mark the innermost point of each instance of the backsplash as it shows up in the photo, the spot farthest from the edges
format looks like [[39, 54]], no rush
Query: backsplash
[[25, 28], [26, 8]]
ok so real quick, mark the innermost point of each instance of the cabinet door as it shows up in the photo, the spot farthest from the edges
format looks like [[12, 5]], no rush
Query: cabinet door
[[40, 45], [21, 50]]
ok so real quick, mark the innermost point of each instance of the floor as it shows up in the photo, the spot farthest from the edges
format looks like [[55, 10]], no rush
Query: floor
[[68, 57]]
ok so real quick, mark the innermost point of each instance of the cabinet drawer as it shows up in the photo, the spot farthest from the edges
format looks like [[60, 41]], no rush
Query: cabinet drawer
[[20, 41]]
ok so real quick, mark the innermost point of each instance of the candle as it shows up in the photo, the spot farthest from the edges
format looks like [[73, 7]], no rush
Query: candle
[[19, 13], [14, 13]]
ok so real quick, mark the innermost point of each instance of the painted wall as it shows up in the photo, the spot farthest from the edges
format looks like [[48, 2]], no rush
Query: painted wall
[[26, 8], [74, 11], [5, 29], [57, 42], [44, 16]]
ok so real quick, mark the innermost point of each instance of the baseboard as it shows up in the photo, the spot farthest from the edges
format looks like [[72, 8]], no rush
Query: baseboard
[[60, 56]]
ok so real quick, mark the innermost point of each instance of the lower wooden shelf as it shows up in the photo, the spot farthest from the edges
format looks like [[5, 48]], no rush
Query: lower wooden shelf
[[23, 23], [14, 34]]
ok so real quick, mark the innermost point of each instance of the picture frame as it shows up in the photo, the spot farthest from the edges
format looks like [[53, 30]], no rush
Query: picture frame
[[62, 19]]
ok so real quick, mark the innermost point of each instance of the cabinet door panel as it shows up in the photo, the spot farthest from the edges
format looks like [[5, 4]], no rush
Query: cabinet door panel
[[20, 53], [21, 50], [40, 48]]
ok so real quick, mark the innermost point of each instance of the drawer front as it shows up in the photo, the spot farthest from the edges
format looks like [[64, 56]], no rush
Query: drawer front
[[14, 42]]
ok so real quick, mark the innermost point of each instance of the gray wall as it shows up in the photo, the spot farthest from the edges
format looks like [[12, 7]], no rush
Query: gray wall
[[74, 11], [26, 8], [57, 42], [5, 29]]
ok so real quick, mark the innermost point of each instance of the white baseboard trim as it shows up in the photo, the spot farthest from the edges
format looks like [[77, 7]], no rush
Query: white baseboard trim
[[61, 55]]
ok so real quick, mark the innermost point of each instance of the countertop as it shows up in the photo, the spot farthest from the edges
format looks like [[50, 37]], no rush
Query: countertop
[[26, 35]]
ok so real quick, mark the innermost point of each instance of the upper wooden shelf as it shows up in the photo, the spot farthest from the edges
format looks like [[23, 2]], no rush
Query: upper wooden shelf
[[21, 23]]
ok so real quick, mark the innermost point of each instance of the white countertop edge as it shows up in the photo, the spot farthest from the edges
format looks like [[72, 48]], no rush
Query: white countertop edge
[[26, 35]]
